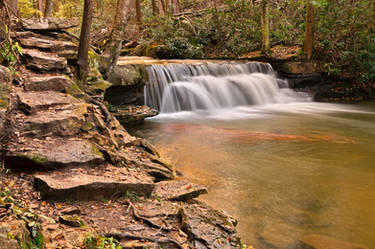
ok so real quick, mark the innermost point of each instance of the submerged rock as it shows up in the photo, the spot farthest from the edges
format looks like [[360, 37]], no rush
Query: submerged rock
[[316, 241]]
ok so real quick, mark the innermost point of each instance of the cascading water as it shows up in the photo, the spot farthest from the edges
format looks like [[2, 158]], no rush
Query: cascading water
[[180, 87]]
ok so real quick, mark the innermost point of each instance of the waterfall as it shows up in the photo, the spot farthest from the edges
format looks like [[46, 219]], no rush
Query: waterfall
[[180, 87]]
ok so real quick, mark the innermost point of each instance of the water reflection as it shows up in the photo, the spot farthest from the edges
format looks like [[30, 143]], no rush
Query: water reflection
[[284, 175]]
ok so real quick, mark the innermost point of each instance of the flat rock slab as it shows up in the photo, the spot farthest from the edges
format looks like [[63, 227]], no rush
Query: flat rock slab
[[317, 241], [178, 190], [42, 61], [46, 44], [47, 83], [35, 154], [132, 115], [208, 227], [49, 24], [60, 122], [79, 186], [32, 102]]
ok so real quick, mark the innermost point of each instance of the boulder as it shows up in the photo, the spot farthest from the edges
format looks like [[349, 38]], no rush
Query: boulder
[[300, 67], [5, 82], [36, 154], [128, 75], [49, 24], [178, 190], [82, 186], [14, 235], [32, 102], [43, 61], [47, 83], [316, 241]]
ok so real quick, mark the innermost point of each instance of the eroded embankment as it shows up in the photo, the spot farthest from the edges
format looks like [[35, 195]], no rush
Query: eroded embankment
[[73, 174]]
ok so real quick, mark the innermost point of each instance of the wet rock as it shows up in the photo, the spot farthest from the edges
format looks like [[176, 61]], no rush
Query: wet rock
[[212, 228], [71, 220], [35, 154], [280, 236], [132, 115], [46, 44], [160, 172], [42, 61], [178, 190], [31, 102], [80, 186], [301, 67], [63, 122], [317, 241], [128, 75], [49, 24], [47, 83]]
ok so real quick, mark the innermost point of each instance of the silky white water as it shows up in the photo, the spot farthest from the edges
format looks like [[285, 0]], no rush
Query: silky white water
[[212, 87]]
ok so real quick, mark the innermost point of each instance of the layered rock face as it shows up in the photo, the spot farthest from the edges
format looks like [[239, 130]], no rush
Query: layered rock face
[[64, 144]]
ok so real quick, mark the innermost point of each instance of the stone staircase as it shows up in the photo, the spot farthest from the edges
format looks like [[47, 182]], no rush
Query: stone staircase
[[71, 148]]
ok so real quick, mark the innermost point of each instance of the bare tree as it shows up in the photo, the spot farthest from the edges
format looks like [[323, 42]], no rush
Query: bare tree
[[138, 10], [308, 44], [154, 8], [175, 6], [84, 42], [113, 49], [161, 5], [266, 49], [13, 5], [48, 8], [40, 8]]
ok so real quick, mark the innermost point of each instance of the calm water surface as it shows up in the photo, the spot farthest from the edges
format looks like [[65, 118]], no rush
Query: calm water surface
[[290, 169]]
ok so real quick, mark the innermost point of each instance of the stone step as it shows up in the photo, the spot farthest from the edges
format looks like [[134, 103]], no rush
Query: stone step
[[42, 61], [178, 190], [27, 154], [66, 121], [32, 102], [47, 44], [46, 83], [49, 24], [80, 184]]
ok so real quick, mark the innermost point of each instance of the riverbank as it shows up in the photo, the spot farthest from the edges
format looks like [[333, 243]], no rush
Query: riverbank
[[73, 177]]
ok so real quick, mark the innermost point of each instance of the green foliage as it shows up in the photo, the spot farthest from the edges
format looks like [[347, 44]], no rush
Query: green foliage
[[345, 37], [93, 242]]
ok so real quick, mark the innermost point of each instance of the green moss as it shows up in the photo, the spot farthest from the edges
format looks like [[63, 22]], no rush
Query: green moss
[[33, 157], [96, 151]]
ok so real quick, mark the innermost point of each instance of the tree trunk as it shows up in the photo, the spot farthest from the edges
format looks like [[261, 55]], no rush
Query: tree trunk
[[175, 6], [154, 8], [161, 6], [308, 44], [40, 8], [138, 10], [266, 49], [13, 5], [48, 8], [113, 49], [84, 42]]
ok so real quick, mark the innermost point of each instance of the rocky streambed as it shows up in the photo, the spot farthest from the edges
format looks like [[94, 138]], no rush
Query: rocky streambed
[[73, 177]]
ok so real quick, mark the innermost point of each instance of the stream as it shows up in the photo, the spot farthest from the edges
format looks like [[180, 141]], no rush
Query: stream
[[285, 167]]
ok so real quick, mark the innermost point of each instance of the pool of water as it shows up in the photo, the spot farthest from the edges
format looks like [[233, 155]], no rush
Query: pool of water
[[283, 170]]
